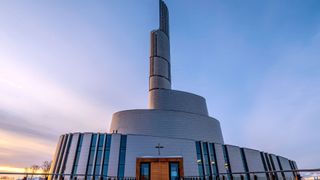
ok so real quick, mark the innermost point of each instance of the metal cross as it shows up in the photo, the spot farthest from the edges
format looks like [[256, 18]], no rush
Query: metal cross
[[159, 147]]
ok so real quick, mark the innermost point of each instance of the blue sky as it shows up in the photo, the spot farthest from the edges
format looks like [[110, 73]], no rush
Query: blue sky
[[66, 66]]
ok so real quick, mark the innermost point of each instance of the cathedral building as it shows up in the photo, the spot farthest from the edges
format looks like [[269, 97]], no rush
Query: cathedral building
[[175, 137]]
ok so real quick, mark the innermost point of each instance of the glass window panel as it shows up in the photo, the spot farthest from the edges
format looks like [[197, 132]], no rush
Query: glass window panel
[[174, 171], [205, 150], [101, 140], [97, 170], [105, 170], [122, 156], [123, 141], [94, 139], [207, 169], [75, 169], [106, 156], [91, 157], [198, 147], [90, 170], [121, 171], [200, 170], [213, 158], [108, 144], [199, 159], [77, 155], [99, 154], [145, 171]]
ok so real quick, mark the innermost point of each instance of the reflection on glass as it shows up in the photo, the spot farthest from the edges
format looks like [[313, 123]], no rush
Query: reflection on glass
[[145, 171], [174, 171]]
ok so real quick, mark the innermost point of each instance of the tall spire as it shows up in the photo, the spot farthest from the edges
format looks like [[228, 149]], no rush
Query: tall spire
[[164, 17], [160, 76]]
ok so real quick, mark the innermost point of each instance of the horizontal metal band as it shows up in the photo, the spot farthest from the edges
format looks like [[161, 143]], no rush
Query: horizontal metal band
[[150, 76], [160, 58]]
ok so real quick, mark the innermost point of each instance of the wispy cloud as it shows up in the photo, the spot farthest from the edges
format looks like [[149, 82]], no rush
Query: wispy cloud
[[34, 111], [23, 151], [286, 111]]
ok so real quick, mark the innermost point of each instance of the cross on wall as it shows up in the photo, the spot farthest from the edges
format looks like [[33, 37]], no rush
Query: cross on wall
[[159, 147]]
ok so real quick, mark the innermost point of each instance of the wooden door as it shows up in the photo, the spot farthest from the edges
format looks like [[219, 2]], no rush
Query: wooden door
[[160, 170], [159, 167]]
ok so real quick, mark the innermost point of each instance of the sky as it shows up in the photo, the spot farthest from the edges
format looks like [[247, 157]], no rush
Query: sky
[[66, 66]]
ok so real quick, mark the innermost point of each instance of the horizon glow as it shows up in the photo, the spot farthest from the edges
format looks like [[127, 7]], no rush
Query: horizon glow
[[67, 66]]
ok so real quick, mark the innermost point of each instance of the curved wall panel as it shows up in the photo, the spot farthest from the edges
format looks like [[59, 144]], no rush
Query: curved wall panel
[[177, 101], [101, 154], [164, 123]]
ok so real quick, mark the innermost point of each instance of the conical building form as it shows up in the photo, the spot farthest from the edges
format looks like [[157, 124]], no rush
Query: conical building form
[[174, 138], [171, 113]]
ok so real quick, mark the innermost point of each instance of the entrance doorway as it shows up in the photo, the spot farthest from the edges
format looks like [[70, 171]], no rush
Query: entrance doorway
[[159, 168]]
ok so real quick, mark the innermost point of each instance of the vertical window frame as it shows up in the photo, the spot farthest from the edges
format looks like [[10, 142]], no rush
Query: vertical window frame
[[122, 156], [106, 155], [77, 156], [200, 159]]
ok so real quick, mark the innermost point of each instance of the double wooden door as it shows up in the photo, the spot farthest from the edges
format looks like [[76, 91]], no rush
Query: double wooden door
[[159, 168]]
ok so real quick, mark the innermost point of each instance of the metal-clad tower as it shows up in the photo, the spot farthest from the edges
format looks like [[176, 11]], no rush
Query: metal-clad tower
[[160, 76], [171, 113]]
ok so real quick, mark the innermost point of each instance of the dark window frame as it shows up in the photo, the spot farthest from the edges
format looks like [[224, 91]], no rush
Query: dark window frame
[[122, 156], [77, 155], [170, 164], [105, 160], [200, 157], [149, 170]]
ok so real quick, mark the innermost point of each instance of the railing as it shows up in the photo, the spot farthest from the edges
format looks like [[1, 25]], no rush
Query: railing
[[301, 174], [57, 176]]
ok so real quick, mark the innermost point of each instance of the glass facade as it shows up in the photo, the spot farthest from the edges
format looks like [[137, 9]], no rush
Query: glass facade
[[98, 155], [77, 155], [213, 158], [91, 153], [268, 162], [280, 166], [174, 171], [206, 158], [292, 167], [66, 153], [199, 159], [90, 164], [106, 155], [122, 155], [226, 160], [145, 171], [97, 167], [61, 152], [245, 164], [264, 164]]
